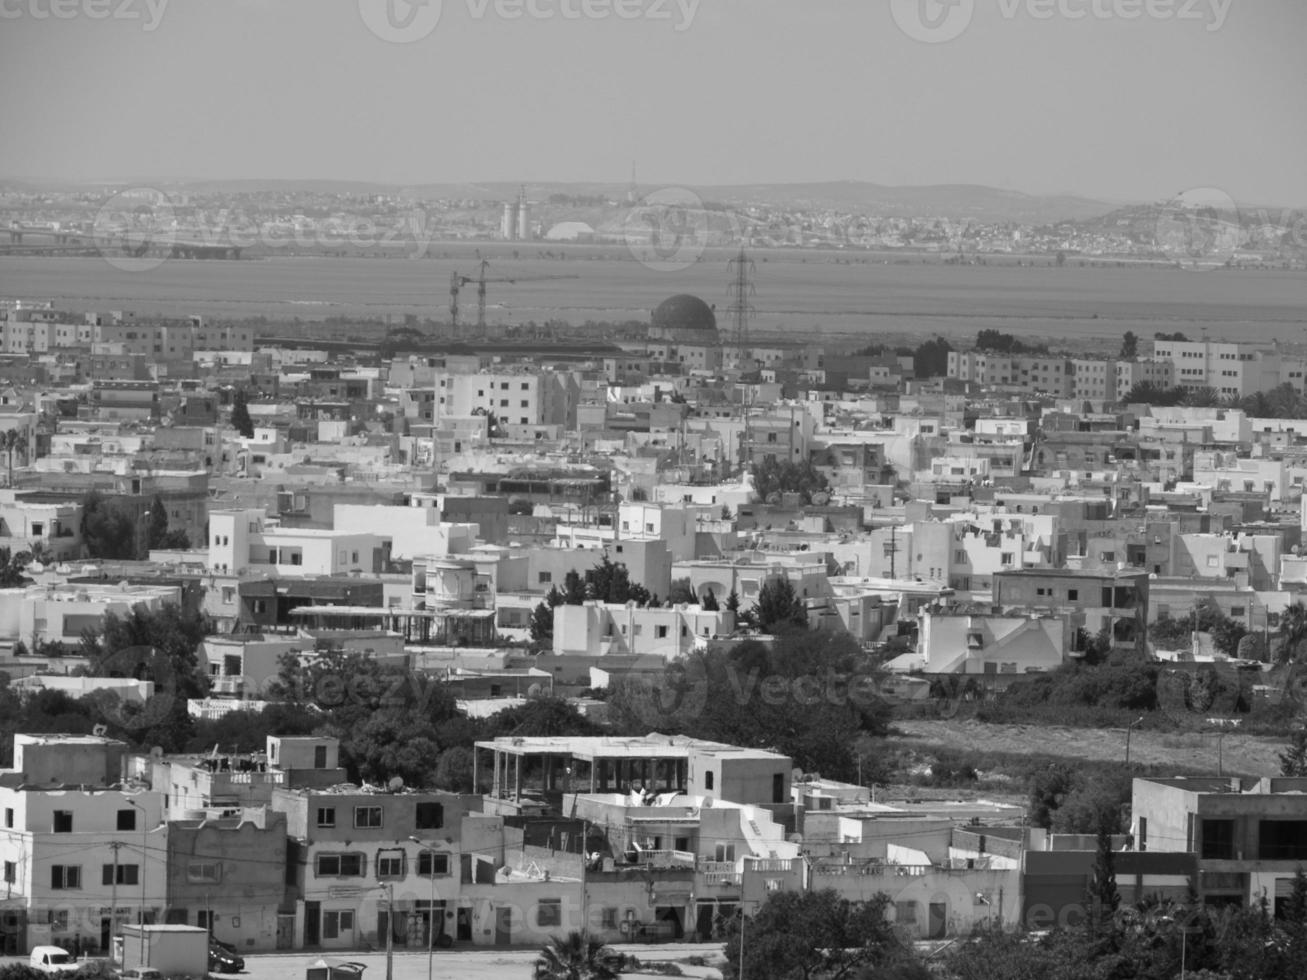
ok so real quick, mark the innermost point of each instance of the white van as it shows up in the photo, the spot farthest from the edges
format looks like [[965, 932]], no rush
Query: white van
[[52, 959]]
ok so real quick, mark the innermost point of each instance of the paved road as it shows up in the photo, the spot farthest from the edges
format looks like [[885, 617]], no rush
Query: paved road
[[468, 964], [463, 964]]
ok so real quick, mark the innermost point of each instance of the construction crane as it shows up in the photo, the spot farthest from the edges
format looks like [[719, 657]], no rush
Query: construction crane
[[458, 281]]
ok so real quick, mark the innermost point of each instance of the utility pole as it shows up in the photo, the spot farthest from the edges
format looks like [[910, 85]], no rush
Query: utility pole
[[113, 898], [431, 902], [145, 830], [390, 932]]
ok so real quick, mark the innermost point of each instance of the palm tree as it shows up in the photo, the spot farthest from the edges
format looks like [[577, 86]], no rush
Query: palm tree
[[576, 957], [1293, 630], [13, 439]]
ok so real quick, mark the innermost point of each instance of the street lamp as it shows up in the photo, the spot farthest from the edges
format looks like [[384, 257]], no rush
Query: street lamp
[[431, 904], [1128, 730]]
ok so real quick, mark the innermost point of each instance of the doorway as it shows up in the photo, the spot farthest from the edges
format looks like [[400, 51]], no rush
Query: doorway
[[463, 925], [503, 927], [312, 923], [938, 920]]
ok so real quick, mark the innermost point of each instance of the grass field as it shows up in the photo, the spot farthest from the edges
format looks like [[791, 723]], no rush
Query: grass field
[[1234, 752]]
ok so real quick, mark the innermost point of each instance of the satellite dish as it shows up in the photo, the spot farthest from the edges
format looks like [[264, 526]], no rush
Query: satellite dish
[[396, 784], [156, 752], [99, 731]]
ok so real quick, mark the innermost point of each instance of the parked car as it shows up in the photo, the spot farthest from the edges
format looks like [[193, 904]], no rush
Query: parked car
[[52, 960], [224, 958]]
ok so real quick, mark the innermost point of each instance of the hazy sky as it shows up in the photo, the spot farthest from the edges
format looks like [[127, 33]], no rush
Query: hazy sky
[[1043, 96]]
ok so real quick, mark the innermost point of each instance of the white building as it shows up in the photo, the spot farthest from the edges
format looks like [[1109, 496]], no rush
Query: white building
[[77, 841]]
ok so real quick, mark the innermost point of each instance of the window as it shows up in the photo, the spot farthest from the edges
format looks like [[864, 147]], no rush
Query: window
[[430, 816], [58, 920], [390, 864], [340, 865], [1072, 595], [660, 632], [708, 780], [367, 816], [326, 816], [526, 404], [11, 872], [320, 762], [204, 919], [608, 918], [65, 876], [206, 872], [9, 816], [1236, 612], [62, 822], [127, 819], [1218, 840], [228, 595], [1282, 840], [1213, 561], [128, 874], [337, 924], [545, 578], [549, 912], [432, 864]]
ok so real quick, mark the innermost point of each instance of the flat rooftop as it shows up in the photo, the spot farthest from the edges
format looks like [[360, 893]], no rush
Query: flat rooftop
[[605, 747]]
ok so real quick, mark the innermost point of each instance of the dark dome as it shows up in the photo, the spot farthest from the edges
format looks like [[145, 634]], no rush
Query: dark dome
[[684, 314]]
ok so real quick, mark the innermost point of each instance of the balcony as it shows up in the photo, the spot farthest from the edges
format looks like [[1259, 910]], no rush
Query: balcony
[[664, 858], [718, 874]]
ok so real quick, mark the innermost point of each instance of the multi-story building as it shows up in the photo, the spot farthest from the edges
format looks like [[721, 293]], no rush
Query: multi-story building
[[77, 842], [1111, 600], [514, 397], [1250, 834], [1230, 369]]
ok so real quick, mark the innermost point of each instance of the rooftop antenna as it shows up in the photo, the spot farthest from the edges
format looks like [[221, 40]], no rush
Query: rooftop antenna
[[632, 192]]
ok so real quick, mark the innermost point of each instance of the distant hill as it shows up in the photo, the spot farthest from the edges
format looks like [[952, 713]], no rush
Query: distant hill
[[955, 201]]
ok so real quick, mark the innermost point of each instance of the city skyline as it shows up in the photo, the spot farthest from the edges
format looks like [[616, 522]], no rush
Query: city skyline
[[1092, 98]]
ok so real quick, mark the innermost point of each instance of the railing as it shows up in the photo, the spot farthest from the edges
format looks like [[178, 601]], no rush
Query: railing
[[665, 858]]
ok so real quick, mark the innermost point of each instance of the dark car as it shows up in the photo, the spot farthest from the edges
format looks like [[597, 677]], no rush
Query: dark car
[[223, 958]]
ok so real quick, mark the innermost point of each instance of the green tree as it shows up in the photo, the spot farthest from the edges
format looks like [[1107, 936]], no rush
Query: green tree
[[682, 592], [779, 607], [1292, 631], [812, 934], [13, 439], [576, 956], [454, 770], [930, 359], [733, 602], [1129, 346], [709, 602], [542, 623], [108, 529], [574, 591], [772, 478], [1104, 898], [240, 415], [1293, 760], [13, 568]]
